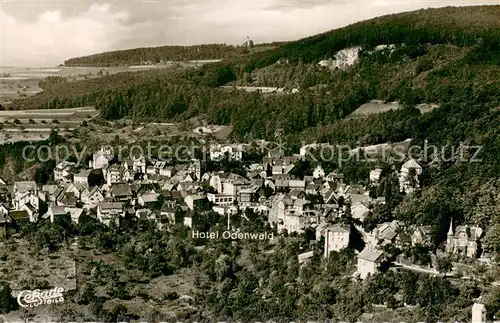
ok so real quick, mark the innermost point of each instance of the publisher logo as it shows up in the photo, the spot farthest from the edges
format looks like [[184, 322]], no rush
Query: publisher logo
[[34, 298]]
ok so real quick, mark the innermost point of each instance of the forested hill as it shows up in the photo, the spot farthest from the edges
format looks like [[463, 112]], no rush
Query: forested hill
[[155, 55], [446, 56], [461, 26]]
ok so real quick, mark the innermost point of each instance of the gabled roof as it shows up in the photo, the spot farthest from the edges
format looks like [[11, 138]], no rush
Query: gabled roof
[[337, 228], [295, 192], [411, 163], [25, 186], [83, 173], [57, 210], [370, 255], [19, 215], [150, 197], [121, 190], [110, 206]]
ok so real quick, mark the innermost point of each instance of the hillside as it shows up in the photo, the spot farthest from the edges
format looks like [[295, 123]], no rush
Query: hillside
[[447, 55]]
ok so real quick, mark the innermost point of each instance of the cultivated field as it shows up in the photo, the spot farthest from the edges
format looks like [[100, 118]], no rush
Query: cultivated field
[[35, 125], [377, 106]]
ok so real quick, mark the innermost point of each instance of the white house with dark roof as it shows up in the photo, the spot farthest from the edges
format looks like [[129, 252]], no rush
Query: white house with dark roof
[[92, 197], [375, 175], [359, 210], [108, 212], [148, 198], [82, 177], [318, 172], [218, 152], [139, 164], [406, 183], [101, 159], [54, 212], [368, 262], [64, 171], [24, 193], [336, 238], [387, 232]]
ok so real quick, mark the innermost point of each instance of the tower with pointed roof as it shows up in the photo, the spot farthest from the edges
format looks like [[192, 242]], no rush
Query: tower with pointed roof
[[449, 236]]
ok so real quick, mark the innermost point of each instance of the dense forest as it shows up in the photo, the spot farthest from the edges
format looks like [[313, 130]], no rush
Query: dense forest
[[155, 55]]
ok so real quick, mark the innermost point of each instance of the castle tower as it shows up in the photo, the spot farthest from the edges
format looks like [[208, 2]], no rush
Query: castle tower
[[249, 43], [478, 313]]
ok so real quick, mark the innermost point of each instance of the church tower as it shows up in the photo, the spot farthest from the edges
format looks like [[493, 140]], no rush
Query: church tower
[[449, 238]]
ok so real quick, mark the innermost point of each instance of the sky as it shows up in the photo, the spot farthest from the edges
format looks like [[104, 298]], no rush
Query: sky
[[45, 33]]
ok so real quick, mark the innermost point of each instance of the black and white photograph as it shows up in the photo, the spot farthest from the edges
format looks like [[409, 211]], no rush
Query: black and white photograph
[[250, 161]]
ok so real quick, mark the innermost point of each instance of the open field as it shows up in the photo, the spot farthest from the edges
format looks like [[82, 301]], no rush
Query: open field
[[19, 82], [36, 125], [377, 106]]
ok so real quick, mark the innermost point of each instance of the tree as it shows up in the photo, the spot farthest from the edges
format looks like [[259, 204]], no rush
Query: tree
[[7, 302], [444, 265]]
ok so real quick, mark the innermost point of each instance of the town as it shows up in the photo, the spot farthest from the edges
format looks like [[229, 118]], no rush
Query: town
[[110, 189]]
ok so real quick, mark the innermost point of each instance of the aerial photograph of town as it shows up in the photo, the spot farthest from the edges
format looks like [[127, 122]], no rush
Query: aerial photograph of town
[[250, 161]]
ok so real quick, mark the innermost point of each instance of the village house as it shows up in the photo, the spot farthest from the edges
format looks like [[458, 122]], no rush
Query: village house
[[464, 240], [305, 257], [19, 217], [74, 189], [421, 235], [55, 211], [478, 313], [148, 199], [233, 152], [360, 210], [318, 172], [25, 194], [67, 199], [196, 202], [108, 212], [82, 178], [297, 193], [114, 174], [408, 176], [220, 199], [225, 210], [92, 197], [64, 171], [167, 171], [121, 192], [297, 183], [249, 194], [387, 232], [335, 177], [375, 175], [139, 164], [168, 211], [368, 262], [101, 159], [50, 193], [337, 237]]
